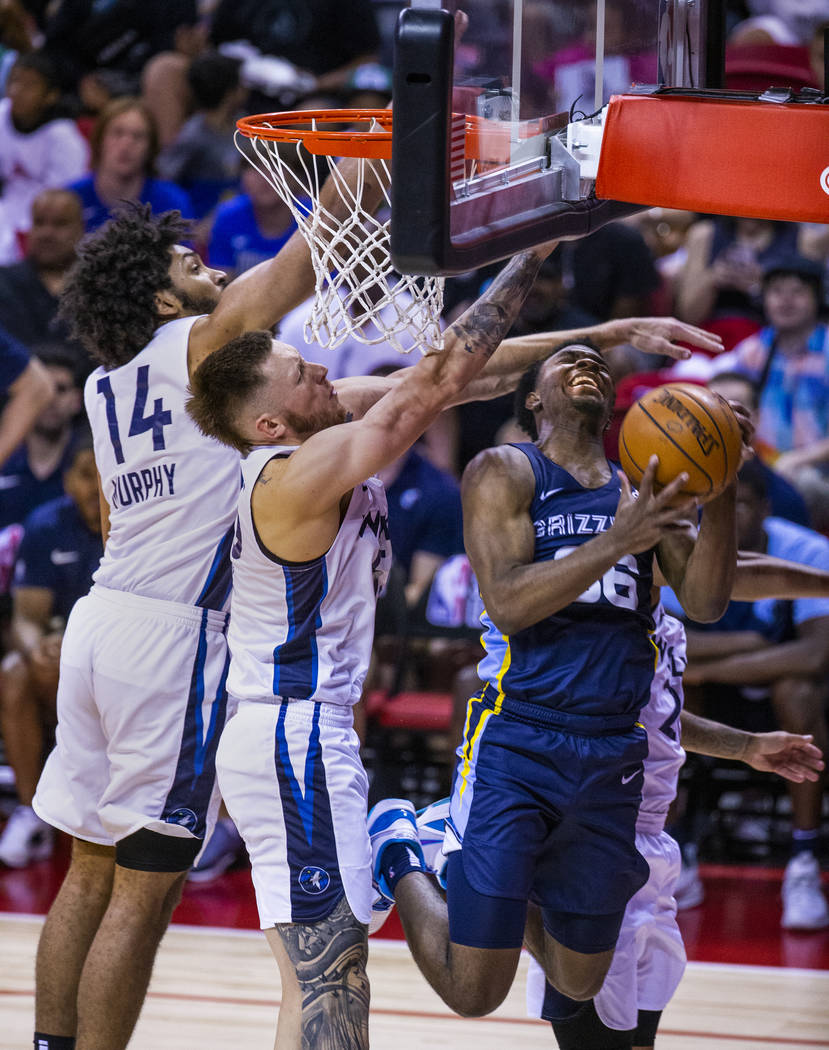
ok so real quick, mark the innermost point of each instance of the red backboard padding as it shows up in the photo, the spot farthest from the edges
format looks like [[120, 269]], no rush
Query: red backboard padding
[[752, 159]]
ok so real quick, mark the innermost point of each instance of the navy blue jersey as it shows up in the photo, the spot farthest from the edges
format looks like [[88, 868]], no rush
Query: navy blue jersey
[[589, 666], [58, 552]]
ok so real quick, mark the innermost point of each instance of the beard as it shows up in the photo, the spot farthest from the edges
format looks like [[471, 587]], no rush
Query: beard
[[304, 426], [198, 304]]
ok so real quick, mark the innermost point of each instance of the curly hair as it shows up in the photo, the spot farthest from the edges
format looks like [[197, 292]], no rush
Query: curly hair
[[108, 301], [224, 382]]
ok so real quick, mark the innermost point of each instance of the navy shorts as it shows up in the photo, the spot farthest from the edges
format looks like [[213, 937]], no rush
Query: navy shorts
[[548, 816]]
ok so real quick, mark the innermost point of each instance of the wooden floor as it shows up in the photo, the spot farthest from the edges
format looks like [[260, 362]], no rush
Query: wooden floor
[[218, 990]]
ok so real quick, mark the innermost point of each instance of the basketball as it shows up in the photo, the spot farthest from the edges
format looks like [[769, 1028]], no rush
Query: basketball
[[691, 429]]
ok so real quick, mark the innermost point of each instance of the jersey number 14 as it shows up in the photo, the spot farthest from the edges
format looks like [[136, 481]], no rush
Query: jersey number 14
[[140, 423]]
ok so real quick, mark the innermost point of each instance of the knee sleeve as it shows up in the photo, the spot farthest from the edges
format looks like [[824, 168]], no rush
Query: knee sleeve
[[646, 1026], [147, 850], [584, 1029]]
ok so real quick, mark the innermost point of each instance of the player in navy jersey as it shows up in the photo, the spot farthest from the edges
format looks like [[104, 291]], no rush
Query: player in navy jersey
[[549, 776], [309, 554]]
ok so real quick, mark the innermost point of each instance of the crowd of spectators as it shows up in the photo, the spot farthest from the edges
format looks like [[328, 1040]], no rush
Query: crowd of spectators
[[105, 102]]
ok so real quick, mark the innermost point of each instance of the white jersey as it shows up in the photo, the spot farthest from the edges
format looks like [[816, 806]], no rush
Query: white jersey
[[171, 491], [304, 630], [47, 158], [660, 717]]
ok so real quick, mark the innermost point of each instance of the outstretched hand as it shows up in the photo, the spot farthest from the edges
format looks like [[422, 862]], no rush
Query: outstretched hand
[[659, 335], [642, 519], [791, 756]]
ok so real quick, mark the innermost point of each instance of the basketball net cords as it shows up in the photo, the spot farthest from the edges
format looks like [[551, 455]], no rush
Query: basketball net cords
[[357, 290]]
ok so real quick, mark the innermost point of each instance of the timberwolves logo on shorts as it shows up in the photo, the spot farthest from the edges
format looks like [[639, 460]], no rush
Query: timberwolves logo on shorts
[[314, 880], [185, 817]]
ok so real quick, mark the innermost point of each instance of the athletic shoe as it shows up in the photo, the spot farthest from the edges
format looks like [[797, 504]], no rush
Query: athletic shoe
[[225, 847], [431, 825], [804, 905], [392, 820], [689, 890], [25, 839]]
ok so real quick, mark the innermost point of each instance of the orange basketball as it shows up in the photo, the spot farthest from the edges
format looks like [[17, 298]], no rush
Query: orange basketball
[[691, 429]]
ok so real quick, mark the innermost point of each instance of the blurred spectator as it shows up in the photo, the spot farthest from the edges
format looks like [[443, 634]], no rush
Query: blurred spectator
[[719, 285], [16, 36], [26, 388], [203, 158], [788, 359], [611, 273], [817, 53], [779, 22], [60, 550], [664, 231], [29, 289], [33, 473], [250, 227], [781, 649], [38, 148], [368, 86], [424, 519], [115, 38], [325, 38], [784, 499], [124, 149]]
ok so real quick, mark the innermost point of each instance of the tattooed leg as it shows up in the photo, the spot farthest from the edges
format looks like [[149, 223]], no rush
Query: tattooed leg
[[327, 962]]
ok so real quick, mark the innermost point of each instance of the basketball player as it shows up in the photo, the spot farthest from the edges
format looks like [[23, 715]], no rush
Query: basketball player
[[547, 789], [142, 701], [649, 958], [309, 555]]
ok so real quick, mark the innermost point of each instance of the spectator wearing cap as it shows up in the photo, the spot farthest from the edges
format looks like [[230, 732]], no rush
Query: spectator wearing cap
[[788, 360]]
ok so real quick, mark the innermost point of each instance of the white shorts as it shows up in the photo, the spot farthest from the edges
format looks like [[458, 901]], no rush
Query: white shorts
[[291, 777], [141, 704], [649, 959]]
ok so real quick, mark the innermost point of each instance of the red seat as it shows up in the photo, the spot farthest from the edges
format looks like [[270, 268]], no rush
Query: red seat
[[756, 67], [417, 710]]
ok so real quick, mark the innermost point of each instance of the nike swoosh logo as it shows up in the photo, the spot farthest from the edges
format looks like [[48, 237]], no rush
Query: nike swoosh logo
[[550, 492], [627, 780], [63, 557]]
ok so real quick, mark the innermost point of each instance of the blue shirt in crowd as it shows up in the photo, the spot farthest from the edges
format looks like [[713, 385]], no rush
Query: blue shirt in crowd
[[424, 512], [58, 552], [163, 196], [236, 243], [21, 491]]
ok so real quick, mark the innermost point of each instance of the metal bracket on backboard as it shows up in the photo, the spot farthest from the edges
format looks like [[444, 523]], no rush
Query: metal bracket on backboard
[[499, 217]]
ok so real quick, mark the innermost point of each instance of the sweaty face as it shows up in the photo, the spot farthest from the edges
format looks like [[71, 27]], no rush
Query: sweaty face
[[197, 286], [576, 378], [298, 392]]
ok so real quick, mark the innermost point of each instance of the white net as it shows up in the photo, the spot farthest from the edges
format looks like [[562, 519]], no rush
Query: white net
[[357, 291]]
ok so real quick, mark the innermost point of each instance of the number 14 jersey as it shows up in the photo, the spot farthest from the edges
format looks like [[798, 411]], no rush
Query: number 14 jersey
[[171, 491], [591, 662]]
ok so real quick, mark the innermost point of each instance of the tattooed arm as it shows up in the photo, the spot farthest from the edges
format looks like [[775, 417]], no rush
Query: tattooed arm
[[326, 961], [299, 516], [791, 756]]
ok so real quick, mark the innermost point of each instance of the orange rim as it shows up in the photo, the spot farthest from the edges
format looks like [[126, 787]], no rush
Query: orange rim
[[292, 126]]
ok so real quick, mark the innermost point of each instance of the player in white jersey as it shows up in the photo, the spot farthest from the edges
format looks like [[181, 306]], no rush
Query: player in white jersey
[[142, 698], [310, 550]]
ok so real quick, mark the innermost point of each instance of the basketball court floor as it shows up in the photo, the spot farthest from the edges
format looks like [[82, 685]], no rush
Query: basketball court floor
[[749, 986]]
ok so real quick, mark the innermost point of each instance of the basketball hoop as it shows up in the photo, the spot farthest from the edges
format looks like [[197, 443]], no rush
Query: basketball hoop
[[357, 290]]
